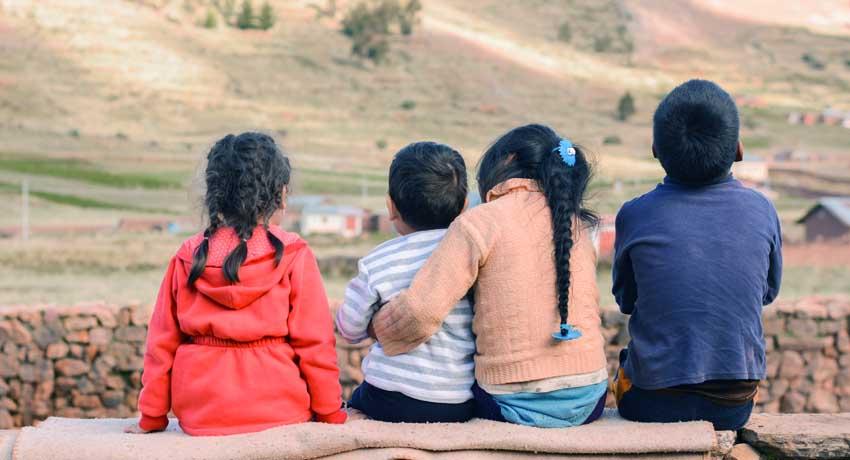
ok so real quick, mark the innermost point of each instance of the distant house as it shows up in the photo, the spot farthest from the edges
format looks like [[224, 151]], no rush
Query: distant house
[[829, 219], [753, 169], [345, 221]]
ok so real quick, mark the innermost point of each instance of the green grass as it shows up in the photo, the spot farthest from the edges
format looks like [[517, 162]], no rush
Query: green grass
[[82, 171], [82, 202]]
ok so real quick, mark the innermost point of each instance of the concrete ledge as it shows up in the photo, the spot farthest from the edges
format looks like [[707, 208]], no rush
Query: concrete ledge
[[824, 436]]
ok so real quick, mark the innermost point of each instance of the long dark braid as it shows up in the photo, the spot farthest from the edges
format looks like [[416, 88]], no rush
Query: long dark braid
[[245, 179], [530, 152]]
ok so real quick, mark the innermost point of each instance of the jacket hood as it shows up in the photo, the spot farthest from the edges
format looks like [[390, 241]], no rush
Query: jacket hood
[[257, 275]]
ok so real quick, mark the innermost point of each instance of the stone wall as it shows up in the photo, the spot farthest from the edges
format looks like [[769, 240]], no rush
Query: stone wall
[[86, 360]]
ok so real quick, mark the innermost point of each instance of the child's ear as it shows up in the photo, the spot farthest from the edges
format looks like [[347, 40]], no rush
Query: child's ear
[[391, 209], [283, 196], [739, 155]]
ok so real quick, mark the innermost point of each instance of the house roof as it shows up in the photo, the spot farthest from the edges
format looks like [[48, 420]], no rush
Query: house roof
[[837, 206]]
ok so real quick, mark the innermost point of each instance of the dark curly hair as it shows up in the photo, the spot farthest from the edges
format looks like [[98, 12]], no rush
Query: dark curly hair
[[529, 152], [245, 179]]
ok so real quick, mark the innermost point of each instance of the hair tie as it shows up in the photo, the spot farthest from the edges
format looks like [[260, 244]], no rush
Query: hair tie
[[567, 151], [567, 332]]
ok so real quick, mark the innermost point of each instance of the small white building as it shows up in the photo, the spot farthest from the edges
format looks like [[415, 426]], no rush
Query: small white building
[[753, 169], [345, 221]]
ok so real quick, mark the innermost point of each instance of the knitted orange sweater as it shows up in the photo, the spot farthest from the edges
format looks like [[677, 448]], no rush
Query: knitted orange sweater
[[504, 248]]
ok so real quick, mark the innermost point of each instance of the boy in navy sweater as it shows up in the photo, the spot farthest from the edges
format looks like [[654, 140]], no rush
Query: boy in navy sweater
[[695, 260]]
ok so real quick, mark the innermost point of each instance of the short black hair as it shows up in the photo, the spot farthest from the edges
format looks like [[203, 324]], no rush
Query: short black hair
[[695, 132], [428, 185]]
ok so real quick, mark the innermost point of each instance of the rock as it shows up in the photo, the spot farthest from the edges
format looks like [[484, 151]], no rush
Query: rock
[[87, 401], [44, 390], [57, 350], [131, 334], [842, 382], [80, 323], [8, 404], [6, 420], [9, 365], [743, 452], [76, 351], [41, 409], [842, 341], [112, 398], [800, 435], [4, 388], [773, 326], [844, 404], [14, 331], [70, 412], [27, 373], [77, 337], [802, 327], [792, 365], [824, 402], [106, 318], [793, 402], [827, 369], [34, 355], [100, 336], [123, 317], [115, 382], [71, 367], [772, 365], [787, 342], [828, 327], [66, 383]]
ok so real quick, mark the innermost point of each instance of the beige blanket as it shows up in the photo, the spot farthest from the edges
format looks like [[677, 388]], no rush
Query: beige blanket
[[365, 439]]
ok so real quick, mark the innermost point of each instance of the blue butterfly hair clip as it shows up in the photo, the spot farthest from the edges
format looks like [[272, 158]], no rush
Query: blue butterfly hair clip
[[567, 151]]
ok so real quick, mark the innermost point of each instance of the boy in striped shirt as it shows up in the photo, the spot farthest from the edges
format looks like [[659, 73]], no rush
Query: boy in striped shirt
[[432, 383]]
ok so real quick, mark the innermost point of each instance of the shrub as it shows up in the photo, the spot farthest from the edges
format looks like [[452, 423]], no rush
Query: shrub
[[812, 61], [408, 104], [565, 33], [267, 17], [625, 107], [210, 21], [245, 20], [369, 26], [381, 144], [75, 133], [601, 43], [612, 140]]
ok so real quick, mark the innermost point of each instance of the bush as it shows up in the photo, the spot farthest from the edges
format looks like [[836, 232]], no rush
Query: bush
[[210, 21], [625, 107], [612, 140], [267, 17], [245, 20], [601, 43], [381, 144], [565, 33], [75, 133], [813, 62], [369, 26], [408, 104]]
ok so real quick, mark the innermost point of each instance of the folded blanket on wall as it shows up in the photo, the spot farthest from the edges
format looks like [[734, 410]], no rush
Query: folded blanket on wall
[[367, 439]]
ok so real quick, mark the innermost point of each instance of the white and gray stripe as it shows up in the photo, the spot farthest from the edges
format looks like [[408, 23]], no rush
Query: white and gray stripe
[[441, 370]]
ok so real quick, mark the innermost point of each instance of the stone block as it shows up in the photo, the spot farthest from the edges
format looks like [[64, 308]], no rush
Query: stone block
[[823, 402], [793, 402], [791, 365], [80, 323], [135, 334], [71, 367], [743, 452], [799, 436]]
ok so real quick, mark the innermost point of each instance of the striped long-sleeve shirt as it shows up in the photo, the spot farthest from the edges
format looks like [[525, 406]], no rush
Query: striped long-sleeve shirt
[[440, 370]]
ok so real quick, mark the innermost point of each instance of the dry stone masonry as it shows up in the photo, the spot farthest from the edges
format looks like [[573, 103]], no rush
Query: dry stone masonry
[[86, 360]]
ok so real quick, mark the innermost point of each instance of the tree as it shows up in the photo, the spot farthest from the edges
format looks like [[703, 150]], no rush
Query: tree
[[626, 107], [565, 33], [267, 17], [245, 20]]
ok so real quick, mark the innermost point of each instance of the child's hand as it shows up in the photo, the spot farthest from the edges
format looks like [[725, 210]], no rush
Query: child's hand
[[135, 429]]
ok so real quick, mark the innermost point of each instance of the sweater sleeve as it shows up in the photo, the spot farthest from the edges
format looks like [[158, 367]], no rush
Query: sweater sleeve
[[413, 316], [311, 337], [164, 336], [361, 302], [624, 285]]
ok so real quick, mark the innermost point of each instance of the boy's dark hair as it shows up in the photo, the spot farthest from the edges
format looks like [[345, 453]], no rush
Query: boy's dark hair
[[245, 178], [529, 152], [428, 185], [695, 132]]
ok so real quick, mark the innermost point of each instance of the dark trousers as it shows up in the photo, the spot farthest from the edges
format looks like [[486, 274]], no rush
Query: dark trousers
[[487, 408], [391, 406], [640, 405]]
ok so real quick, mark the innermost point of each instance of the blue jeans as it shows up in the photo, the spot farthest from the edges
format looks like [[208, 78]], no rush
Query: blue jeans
[[641, 405], [392, 406]]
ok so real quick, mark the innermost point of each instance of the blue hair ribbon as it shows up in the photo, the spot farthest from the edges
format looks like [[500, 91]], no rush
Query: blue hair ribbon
[[567, 151], [567, 332]]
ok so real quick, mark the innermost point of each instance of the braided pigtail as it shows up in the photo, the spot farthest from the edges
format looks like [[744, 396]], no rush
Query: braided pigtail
[[562, 172], [237, 257]]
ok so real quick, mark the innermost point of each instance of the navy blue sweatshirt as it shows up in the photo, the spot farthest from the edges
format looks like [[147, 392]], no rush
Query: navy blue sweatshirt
[[693, 266]]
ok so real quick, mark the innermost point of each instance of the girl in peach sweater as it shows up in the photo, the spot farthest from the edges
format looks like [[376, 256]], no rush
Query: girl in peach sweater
[[527, 254]]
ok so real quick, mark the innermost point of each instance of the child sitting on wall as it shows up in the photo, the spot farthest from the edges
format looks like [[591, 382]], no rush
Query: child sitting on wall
[[695, 261], [433, 382], [241, 338]]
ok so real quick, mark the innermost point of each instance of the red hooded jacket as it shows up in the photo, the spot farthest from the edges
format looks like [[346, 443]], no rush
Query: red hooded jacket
[[234, 358]]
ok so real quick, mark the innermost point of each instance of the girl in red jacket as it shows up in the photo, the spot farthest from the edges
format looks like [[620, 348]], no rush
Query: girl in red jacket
[[241, 338]]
